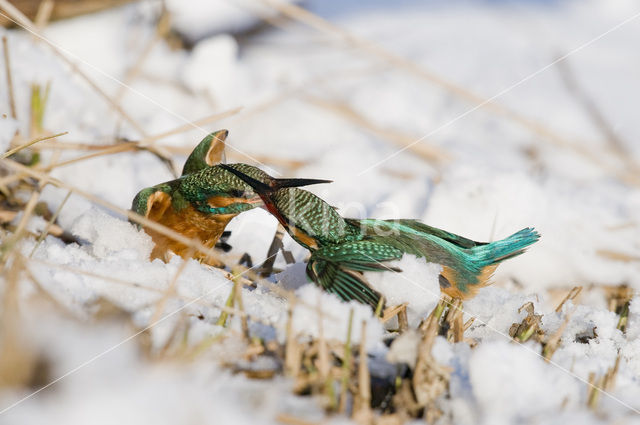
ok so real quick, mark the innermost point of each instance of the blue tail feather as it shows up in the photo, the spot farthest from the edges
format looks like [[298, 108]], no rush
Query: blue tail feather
[[495, 252]]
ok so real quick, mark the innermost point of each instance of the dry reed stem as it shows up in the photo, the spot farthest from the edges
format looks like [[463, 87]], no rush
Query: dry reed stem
[[237, 294], [43, 15], [225, 309], [617, 255], [346, 366], [429, 378], [30, 143], [616, 145], [291, 164], [287, 419], [134, 71], [391, 312], [6, 248], [47, 228], [17, 362], [45, 294], [398, 138], [604, 384], [148, 140], [528, 326], [322, 25], [308, 18], [63, 9], [573, 293], [552, 343], [171, 290], [18, 17], [323, 365], [292, 352], [7, 67], [362, 413]]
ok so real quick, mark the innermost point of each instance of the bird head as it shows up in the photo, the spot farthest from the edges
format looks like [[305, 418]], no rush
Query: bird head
[[152, 202]]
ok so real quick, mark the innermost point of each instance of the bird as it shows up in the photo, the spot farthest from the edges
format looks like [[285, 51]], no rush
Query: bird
[[342, 249], [202, 201]]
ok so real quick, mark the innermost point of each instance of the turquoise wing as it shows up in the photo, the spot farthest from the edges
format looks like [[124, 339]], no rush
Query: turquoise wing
[[416, 228], [338, 269]]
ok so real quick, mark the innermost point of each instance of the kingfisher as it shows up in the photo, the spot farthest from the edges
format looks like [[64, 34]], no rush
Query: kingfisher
[[203, 200], [342, 249]]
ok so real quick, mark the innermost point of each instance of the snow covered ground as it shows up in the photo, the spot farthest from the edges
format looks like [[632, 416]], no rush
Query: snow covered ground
[[318, 103]]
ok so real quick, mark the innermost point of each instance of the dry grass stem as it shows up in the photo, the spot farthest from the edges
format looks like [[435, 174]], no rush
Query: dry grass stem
[[287, 419], [30, 143], [396, 137], [19, 18], [617, 255], [293, 352], [616, 145], [148, 140], [362, 413], [62, 9], [171, 290], [552, 344], [43, 15], [430, 379], [17, 361], [346, 366], [237, 293], [323, 364], [7, 67], [49, 225], [314, 21], [529, 327], [573, 293]]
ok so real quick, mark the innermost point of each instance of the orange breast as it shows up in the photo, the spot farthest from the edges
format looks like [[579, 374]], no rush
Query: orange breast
[[193, 225]]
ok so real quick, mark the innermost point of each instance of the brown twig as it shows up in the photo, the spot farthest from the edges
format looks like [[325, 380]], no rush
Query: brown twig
[[573, 293], [362, 413], [396, 137], [7, 67], [591, 108], [314, 21], [19, 18], [346, 366], [551, 345], [26, 145], [43, 15], [47, 228], [171, 290]]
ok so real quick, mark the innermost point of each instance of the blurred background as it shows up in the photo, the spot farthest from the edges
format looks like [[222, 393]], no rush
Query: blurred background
[[479, 117]]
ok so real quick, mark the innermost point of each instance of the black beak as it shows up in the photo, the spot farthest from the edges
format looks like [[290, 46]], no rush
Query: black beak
[[273, 184]]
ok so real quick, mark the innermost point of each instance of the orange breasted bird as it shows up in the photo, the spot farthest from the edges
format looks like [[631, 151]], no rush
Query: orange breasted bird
[[342, 249], [201, 202]]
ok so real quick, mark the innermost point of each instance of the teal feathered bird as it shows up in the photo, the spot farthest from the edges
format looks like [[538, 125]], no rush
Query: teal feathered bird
[[342, 249], [203, 200]]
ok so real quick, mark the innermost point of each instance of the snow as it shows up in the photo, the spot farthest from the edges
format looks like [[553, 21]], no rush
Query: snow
[[417, 285], [196, 19], [509, 384], [300, 91], [213, 68]]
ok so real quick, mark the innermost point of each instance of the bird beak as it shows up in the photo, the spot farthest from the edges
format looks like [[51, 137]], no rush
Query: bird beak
[[256, 185], [265, 189]]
